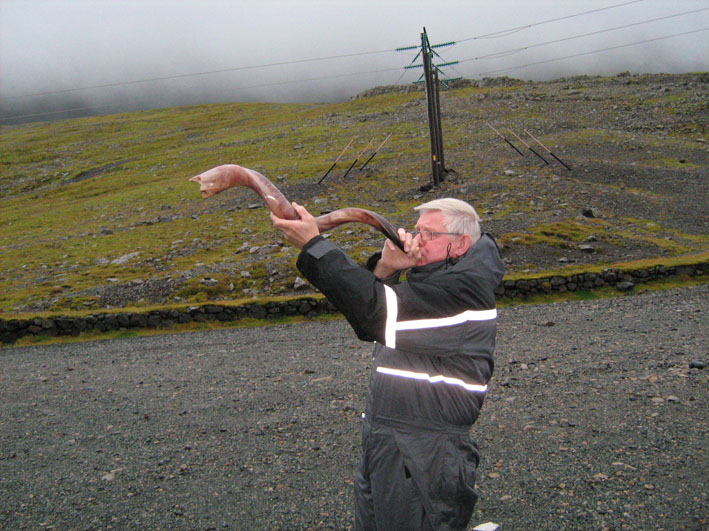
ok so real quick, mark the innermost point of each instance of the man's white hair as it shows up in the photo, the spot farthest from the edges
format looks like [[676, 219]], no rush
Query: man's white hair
[[458, 216]]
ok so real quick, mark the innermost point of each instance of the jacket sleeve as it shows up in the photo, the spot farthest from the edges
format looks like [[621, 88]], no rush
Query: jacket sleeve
[[354, 290]]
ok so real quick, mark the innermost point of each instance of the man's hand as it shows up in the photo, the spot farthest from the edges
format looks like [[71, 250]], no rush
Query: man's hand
[[393, 259], [299, 231]]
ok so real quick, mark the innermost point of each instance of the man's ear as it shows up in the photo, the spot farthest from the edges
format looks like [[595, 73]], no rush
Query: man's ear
[[462, 244]]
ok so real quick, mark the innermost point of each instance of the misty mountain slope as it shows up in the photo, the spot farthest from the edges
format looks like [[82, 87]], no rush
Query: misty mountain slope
[[99, 213]]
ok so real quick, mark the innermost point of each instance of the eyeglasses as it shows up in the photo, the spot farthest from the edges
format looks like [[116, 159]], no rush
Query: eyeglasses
[[428, 235]]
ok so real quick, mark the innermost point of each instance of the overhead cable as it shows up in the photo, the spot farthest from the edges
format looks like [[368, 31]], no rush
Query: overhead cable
[[503, 33], [522, 48], [297, 61], [589, 53]]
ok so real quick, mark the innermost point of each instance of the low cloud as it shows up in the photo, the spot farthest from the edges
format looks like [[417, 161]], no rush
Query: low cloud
[[61, 59]]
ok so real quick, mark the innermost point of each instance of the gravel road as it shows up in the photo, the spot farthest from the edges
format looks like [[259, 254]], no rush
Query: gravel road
[[596, 419]]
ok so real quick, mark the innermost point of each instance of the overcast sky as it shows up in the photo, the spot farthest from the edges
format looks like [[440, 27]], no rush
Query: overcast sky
[[105, 56]]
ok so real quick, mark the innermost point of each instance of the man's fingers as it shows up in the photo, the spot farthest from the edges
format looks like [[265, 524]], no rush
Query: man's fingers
[[276, 220], [406, 239], [300, 210]]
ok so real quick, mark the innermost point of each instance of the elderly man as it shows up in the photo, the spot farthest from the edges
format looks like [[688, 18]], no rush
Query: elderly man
[[435, 335]]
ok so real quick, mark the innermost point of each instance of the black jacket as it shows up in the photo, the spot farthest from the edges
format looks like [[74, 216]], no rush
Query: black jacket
[[434, 333]]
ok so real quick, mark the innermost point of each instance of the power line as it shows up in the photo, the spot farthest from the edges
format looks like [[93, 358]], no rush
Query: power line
[[504, 33], [196, 74], [299, 61], [589, 53], [9, 118], [515, 50], [16, 117], [231, 90]]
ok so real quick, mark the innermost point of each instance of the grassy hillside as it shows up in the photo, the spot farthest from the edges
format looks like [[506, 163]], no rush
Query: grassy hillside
[[77, 195]]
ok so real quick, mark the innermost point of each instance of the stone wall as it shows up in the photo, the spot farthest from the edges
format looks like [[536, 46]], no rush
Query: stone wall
[[620, 280], [13, 329]]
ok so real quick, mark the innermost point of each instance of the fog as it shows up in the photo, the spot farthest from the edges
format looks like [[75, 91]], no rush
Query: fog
[[61, 59]]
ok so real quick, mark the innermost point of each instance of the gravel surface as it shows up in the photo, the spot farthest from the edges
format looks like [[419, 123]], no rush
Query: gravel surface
[[596, 419]]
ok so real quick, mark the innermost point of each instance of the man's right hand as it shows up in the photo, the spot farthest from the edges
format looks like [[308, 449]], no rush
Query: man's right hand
[[394, 259]]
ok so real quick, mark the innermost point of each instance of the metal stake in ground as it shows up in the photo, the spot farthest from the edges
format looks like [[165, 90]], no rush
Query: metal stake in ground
[[548, 150], [505, 139], [358, 156], [376, 151], [530, 148], [336, 161]]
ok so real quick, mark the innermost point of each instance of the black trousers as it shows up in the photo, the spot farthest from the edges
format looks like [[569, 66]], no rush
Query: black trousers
[[412, 479]]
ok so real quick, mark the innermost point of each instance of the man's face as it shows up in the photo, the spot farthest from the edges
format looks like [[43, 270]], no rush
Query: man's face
[[436, 249]]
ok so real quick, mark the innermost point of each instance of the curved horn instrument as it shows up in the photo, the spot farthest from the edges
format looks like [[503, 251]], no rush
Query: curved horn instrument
[[228, 175]]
